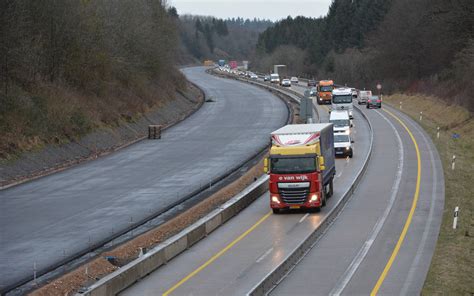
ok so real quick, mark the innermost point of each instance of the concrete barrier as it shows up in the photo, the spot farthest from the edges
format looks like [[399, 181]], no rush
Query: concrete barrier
[[293, 95], [272, 279], [162, 253], [167, 250]]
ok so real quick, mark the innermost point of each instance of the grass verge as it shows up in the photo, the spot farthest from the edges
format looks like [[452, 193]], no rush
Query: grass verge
[[452, 267]]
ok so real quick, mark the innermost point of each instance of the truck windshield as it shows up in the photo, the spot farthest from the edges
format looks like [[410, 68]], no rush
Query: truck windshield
[[341, 138], [297, 165], [340, 122], [345, 99], [325, 88]]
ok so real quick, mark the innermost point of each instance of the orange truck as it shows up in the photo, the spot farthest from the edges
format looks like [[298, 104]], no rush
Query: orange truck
[[324, 91], [208, 63]]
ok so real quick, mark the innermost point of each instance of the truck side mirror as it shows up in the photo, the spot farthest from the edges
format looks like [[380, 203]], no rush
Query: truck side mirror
[[322, 167], [265, 165]]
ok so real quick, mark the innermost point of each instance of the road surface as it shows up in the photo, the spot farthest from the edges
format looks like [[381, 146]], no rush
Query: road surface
[[50, 218]]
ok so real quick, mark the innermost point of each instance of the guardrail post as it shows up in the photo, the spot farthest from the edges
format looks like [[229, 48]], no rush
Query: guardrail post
[[421, 115], [34, 273], [437, 133], [455, 220], [453, 162]]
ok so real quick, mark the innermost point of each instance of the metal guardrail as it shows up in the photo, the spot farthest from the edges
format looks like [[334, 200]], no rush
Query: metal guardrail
[[273, 278], [295, 96], [124, 277], [161, 254]]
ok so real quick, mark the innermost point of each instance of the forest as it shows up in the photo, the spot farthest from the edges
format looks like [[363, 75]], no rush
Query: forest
[[415, 45], [204, 38], [68, 67]]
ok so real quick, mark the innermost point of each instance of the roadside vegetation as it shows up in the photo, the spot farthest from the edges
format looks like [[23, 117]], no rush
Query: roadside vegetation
[[424, 46], [69, 67], [452, 265]]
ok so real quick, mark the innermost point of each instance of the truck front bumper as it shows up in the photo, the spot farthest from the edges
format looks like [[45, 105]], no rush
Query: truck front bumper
[[277, 203]]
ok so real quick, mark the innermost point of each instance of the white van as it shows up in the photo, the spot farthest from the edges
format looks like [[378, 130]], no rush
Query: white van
[[341, 121], [274, 78]]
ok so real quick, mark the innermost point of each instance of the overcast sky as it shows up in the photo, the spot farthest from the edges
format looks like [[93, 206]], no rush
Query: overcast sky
[[263, 9]]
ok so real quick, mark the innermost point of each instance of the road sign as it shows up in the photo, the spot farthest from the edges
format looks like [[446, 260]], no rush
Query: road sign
[[379, 86], [456, 136]]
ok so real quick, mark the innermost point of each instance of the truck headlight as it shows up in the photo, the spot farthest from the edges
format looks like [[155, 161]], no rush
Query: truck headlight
[[275, 199], [314, 197]]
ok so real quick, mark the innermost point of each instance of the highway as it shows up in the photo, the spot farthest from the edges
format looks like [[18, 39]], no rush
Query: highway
[[51, 218], [272, 237], [381, 243], [353, 257]]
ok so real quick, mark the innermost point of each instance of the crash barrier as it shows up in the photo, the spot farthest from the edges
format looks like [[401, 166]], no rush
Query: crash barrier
[[127, 275], [272, 279], [293, 95]]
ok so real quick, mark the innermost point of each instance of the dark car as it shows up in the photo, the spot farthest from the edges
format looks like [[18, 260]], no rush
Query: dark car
[[311, 82], [374, 102], [266, 78]]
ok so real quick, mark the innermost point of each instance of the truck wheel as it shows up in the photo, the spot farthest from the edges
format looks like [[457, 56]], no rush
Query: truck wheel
[[350, 155], [276, 211], [331, 188], [323, 203]]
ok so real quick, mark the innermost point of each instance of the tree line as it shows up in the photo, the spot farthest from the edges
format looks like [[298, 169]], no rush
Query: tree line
[[68, 66], [212, 38], [419, 45]]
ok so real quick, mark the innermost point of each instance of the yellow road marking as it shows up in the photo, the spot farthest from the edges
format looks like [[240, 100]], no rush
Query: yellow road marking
[[220, 253], [410, 214]]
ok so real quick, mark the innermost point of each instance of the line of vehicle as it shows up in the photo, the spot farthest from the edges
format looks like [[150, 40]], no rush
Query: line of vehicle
[[354, 265], [280, 272], [217, 255], [394, 254]]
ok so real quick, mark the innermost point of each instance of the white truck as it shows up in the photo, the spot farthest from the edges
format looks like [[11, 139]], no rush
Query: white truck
[[364, 96], [342, 100]]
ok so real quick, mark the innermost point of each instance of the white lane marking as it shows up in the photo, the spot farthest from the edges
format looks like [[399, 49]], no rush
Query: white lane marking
[[416, 262], [304, 217], [264, 255], [350, 271]]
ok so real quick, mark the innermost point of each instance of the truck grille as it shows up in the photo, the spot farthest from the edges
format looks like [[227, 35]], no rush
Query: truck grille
[[294, 195]]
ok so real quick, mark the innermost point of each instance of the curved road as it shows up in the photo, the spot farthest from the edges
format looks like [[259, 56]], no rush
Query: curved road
[[244, 264], [49, 218], [351, 256]]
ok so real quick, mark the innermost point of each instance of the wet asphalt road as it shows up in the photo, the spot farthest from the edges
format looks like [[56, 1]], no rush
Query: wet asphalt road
[[50, 218]]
